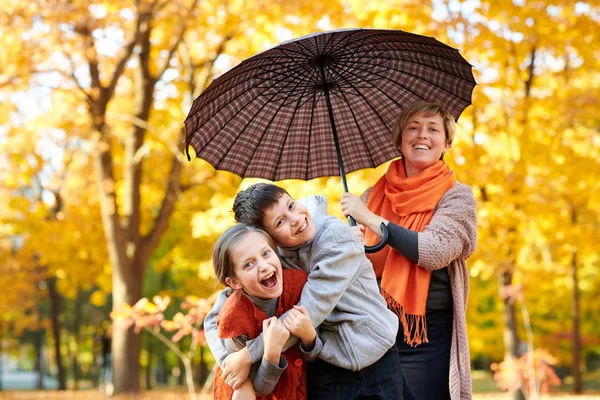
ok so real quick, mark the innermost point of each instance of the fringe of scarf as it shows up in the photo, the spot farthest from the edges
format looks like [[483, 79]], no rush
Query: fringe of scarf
[[414, 326]]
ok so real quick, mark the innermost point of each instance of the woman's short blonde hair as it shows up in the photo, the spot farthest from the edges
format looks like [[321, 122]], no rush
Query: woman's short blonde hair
[[428, 109]]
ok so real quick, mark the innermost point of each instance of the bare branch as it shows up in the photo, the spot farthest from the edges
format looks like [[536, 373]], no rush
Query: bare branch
[[77, 83], [153, 132], [171, 52], [142, 21]]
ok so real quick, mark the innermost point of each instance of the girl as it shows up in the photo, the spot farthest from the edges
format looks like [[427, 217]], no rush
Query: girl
[[244, 259]]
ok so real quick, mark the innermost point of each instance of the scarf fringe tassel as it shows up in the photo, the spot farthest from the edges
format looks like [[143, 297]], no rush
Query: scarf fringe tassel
[[414, 326]]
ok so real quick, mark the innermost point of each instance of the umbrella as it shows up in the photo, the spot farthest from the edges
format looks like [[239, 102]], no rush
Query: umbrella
[[323, 104]]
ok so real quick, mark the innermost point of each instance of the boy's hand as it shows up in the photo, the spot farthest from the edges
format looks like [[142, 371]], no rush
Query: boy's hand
[[359, 232], [275, 336], [236, 368], [299, 324]]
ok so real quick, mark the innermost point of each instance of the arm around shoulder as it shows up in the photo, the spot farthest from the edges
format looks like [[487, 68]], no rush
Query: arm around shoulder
[[452, 232], [335, 261]]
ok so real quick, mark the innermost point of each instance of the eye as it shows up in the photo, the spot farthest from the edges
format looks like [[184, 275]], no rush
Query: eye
[[249, 264], [267, 253], [291, 205], [279, 223]]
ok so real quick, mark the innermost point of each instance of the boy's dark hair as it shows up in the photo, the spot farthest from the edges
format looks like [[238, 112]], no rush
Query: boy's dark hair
[[250, 204]]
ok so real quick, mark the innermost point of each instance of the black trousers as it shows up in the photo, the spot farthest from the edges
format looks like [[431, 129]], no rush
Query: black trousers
[[379, 381], [426, 367]]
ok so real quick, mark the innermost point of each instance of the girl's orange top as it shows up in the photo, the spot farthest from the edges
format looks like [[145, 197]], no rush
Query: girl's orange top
[[240, 316]]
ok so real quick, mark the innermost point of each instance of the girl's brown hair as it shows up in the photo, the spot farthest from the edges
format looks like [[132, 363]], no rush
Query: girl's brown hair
[[221, 254]]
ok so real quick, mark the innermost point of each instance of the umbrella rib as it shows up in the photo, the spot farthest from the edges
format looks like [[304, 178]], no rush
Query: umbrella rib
[[241, 131], [312, 117], [274, 176], [398, 83], [225, 104], [362, 136], [268, 54], [267, 128], [451, 73]]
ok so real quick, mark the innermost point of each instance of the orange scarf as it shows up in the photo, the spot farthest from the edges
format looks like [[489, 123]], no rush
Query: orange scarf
[[240, 316], [408, 202]]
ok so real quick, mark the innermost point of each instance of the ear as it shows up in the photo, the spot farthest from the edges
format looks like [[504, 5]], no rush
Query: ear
[[448, 145], [233, 283]]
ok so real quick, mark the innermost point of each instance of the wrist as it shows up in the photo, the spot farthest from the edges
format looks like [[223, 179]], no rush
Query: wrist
[[308, 342], [374, 224], [245, 358], [272, 356]]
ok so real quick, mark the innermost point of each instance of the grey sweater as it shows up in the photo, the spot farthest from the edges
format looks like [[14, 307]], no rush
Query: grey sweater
[[341, 296]]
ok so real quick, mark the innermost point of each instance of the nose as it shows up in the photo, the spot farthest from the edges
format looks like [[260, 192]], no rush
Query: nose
[[294, 220], [262, 264], [422, 131]]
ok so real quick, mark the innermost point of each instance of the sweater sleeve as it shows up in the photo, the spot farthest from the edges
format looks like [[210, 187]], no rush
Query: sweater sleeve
[[313, 354], [264, 374], [404, 241], [452, 232], [218, 346]]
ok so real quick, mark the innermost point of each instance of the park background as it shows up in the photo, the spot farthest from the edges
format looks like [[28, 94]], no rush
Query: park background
[[99, 207]]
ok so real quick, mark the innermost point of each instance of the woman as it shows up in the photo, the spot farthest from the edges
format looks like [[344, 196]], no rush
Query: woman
[[432, 224]]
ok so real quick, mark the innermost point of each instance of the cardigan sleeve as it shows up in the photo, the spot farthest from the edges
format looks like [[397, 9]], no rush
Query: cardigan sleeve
[[452, 232]]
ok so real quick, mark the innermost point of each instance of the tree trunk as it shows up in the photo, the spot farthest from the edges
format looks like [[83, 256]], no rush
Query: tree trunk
[[201, 368], [54, 318], [576, 368], [512, 342], [125, 344], [39, 364], [76, 325]]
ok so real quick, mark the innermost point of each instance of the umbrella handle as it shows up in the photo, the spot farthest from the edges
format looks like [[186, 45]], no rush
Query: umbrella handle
[[382, 243]]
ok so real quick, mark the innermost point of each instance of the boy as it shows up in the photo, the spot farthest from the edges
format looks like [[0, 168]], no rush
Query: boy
[[358, 357]]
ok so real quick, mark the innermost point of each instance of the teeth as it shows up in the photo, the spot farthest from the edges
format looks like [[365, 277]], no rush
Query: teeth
[[268, 276], [303, 227], [421, 147]]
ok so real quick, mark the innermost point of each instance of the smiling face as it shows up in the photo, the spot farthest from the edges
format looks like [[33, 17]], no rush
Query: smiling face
[[288, 222], [256, 266], [423, 142]]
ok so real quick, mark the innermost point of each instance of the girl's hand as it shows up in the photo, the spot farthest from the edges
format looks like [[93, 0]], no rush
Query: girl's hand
[[275, 336], [299, 324]]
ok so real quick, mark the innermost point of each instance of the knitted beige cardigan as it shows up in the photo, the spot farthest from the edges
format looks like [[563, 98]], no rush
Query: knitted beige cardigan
[[448, 240]]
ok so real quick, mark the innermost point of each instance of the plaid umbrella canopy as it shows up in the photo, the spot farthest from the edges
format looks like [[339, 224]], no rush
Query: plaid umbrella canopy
[[300, 109], [323, 104]]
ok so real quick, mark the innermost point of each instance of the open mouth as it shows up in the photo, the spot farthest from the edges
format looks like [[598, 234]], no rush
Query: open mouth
[[269, 281], [303, 227], [421, 147]]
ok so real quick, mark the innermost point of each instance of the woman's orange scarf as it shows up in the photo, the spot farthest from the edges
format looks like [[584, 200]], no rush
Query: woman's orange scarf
[[408, 202]]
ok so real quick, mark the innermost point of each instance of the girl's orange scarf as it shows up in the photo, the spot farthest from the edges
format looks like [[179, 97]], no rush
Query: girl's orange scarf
[[240, 316], [408, 202]]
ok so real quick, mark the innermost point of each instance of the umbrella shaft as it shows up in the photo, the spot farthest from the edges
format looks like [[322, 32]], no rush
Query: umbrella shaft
[[334, 130], [338, 150]]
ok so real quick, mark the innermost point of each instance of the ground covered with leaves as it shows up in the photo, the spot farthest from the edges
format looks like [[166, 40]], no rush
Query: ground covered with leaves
[[182, 395]]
